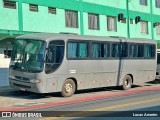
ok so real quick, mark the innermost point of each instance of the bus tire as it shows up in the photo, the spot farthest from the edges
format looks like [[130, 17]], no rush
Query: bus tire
[[68, 88], [127, 82]]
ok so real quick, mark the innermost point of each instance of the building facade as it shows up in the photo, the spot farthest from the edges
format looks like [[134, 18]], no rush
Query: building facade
[[125, 18]]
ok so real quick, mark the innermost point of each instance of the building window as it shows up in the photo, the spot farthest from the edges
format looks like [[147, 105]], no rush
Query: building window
[[111, 24], [131, 21], [158, 29], [71, 18], [9, 4], [93, 21], [158, 3], [143, 2], [33, 8], [51, 10], [144, 27]]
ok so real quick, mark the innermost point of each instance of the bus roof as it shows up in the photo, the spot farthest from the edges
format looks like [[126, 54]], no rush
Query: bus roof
[[51, 36]]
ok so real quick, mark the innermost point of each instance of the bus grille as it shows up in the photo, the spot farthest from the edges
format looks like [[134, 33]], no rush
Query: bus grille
[[23, 86], [21, 78]]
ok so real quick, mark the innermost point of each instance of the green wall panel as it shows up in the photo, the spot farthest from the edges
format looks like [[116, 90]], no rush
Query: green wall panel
[[22, 19], [8, 18], [112, 3], [134, 5], [42, 21]]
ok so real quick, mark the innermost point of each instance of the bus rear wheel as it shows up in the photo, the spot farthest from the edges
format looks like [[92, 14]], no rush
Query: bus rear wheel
[[127, 82], [68, 88]]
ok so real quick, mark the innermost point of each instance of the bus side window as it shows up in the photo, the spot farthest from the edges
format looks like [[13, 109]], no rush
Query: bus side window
[[96, 50], [72, 49], [116, 50], [140, 50], [54, 56], [124, 50], [136, 50], [133, 51], [83, 50], [105, 50], [51, 52], [77, 50], [149, 51]]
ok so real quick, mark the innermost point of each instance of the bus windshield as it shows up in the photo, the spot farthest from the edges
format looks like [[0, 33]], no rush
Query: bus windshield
[[28, 55]]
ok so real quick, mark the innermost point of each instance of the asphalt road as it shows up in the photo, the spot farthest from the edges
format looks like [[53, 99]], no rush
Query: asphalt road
[[146, 101]]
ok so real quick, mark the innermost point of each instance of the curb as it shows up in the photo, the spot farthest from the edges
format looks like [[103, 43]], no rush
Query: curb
[[5, 88]]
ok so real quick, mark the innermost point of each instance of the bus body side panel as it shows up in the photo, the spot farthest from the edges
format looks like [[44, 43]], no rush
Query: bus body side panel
[[135, 68], [141, 70], [150, 69], [93, 73]]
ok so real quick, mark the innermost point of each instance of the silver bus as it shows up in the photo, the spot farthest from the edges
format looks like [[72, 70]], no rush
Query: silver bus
[[158, 65], [65, 63]]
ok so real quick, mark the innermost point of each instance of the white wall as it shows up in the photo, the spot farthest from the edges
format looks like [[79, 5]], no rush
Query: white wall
[[4, 69]]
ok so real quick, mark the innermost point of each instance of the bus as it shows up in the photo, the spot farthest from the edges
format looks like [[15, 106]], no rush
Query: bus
[[65, 63], [158, 65]]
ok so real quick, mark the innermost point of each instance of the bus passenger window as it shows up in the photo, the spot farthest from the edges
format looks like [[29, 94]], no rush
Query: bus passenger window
[[77, 50], [133, 51], [83, 50], [72, 50], [149, 51], [140, 50], [136, 51], [115, 50], [105, 50], [95, 50], [124, 50]]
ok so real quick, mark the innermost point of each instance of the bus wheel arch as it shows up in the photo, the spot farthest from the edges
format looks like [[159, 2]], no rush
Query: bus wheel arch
[[131, 77], [127, 82], [75, 81], [68, 87]]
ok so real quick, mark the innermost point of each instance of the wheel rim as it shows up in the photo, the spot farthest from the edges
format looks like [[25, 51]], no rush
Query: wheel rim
[[127, 83], [68, 88]]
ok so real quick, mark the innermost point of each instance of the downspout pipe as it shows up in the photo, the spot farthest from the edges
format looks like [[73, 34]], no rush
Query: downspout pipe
[[128, 27]]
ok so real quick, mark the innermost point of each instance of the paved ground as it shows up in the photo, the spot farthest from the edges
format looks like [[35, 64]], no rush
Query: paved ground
[[18, 100]]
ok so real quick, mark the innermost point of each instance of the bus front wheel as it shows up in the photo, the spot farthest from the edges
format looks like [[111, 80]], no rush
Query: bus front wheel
[[127, 82], [68, 88]]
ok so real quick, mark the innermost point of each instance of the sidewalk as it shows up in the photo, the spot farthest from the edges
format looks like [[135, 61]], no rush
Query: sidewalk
[[5, 89]]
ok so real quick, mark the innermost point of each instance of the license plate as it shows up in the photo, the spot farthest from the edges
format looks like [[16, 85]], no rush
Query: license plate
[[23, 89]]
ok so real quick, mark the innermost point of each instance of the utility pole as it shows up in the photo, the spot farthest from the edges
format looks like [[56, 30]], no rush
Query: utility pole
[[151, 14], [128, 26]]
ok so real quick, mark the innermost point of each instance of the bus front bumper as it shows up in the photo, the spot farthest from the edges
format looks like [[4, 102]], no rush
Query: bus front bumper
[[26, 86]]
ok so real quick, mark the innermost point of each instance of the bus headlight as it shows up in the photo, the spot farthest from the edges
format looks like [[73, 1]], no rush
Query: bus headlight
[[35, 81]]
